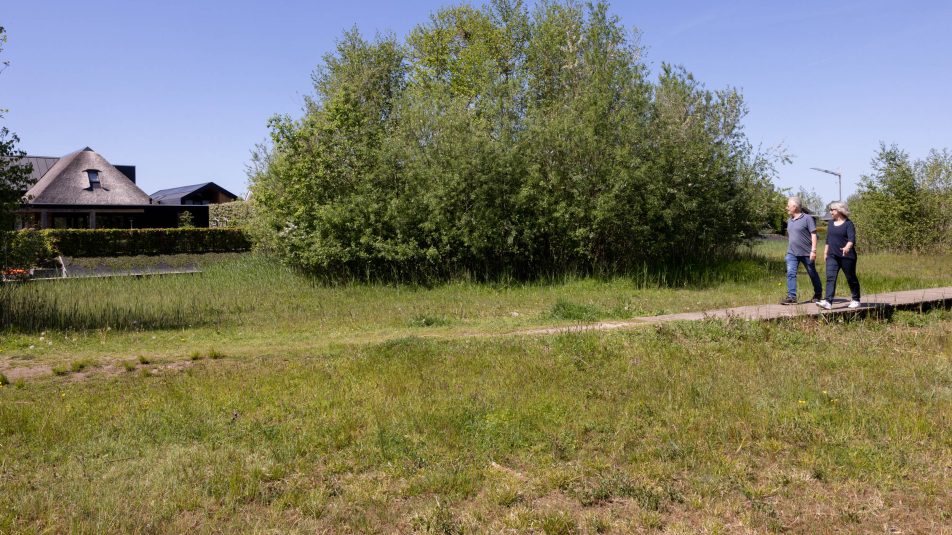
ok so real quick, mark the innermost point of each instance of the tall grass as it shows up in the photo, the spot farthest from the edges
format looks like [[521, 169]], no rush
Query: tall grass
[[260, 293], [222, 294]]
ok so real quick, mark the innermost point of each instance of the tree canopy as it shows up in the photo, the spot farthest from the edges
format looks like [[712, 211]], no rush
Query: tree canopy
[[507, 138], [905, 205], [14, 178]]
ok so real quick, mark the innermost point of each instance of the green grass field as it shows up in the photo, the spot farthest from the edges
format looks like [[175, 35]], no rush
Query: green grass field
[[253, 299], [250, 399]]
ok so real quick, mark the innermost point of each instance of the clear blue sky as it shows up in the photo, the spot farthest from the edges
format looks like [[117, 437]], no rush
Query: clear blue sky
[[183, 90]]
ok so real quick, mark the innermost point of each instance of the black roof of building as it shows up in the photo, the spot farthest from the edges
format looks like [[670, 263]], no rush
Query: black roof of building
[[41, 164], [175, 195]]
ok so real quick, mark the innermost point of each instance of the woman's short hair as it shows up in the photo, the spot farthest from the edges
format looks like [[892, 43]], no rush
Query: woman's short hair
[[840, 207]]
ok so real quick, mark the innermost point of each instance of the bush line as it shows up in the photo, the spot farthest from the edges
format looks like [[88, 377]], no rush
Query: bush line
[[130, 242]]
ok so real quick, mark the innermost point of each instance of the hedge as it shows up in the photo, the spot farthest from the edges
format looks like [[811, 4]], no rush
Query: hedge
[[238, 213], [25, 249], [124, 242]]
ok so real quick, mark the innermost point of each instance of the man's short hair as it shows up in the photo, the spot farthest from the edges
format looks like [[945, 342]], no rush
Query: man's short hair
[[796, 201]]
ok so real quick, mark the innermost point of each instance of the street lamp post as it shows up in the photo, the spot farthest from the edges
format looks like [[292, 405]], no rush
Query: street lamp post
[[838, 175]]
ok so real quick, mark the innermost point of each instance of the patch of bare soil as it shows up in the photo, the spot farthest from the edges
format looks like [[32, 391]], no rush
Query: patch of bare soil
[[24, 372], [17, 371]]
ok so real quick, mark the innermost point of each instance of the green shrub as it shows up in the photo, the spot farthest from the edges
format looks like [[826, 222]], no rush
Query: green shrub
[[186, 220], [26, 249], [3, 380], [143, 359], [124, 242], [129, 365], [232, 214], [215, 354]]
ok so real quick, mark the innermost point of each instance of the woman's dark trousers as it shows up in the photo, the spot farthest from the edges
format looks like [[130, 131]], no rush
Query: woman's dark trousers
[[833, 266]]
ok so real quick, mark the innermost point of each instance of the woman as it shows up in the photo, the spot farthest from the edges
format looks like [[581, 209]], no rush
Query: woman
[[839, 254]]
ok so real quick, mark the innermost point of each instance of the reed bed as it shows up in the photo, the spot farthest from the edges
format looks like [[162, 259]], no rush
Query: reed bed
[[255, 292]]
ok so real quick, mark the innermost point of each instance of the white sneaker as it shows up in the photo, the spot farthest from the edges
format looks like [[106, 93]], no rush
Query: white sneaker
[[824, 304], [854, 304]]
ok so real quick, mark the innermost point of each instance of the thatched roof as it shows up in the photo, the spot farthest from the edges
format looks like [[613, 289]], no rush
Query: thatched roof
[[42, 164], [68, 183]]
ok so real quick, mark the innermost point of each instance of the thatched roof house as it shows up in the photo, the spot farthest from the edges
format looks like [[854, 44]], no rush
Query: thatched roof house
[[83, 190]]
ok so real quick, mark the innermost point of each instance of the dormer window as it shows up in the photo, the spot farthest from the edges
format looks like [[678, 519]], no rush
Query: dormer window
[[93, 176]]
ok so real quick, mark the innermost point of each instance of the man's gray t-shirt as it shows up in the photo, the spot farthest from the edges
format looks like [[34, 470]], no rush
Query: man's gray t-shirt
[[799, 230]]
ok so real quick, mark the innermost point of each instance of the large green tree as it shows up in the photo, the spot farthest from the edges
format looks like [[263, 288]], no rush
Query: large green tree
[[14, 178], [507, 138]]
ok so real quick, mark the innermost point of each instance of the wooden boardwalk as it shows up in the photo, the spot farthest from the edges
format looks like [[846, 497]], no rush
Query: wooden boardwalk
[[909, 299]]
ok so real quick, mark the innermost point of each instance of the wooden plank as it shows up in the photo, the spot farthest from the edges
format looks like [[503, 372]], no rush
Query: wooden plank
[[903, 299]]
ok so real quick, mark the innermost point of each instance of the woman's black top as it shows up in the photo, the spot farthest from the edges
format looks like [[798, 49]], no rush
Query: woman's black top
[[837, 237]]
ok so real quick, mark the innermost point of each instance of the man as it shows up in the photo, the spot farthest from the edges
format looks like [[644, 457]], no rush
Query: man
[[801, 228]]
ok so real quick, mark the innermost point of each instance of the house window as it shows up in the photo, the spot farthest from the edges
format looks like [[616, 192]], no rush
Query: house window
[[114, 221], [93, 176], [65, 221]]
